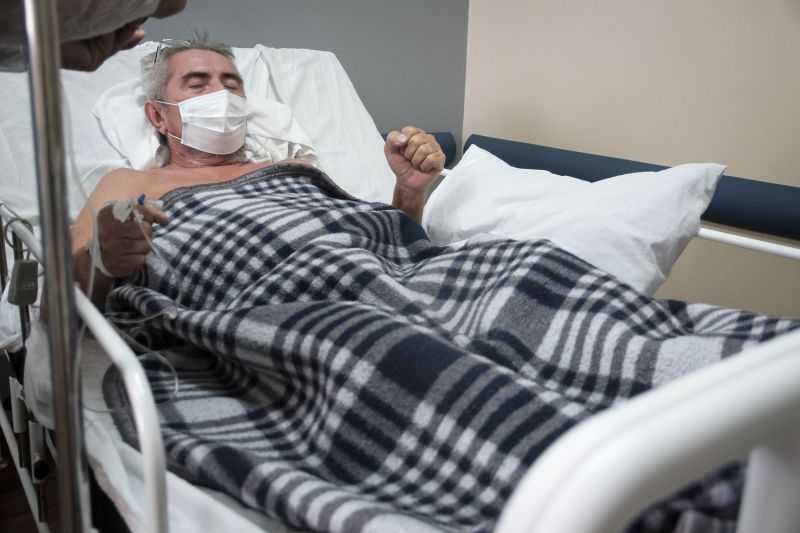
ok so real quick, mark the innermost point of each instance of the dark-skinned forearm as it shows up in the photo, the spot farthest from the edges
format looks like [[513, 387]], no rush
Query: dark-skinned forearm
[[82, 265], [102, 283]]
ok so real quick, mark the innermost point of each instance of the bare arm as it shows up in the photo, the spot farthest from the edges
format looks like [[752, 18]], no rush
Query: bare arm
[[417, 160], [122, 246]]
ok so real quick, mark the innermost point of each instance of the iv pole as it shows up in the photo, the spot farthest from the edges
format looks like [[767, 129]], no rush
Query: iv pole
[[41, 28]]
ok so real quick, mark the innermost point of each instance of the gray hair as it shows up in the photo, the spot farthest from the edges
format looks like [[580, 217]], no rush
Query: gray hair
[[156, 71]]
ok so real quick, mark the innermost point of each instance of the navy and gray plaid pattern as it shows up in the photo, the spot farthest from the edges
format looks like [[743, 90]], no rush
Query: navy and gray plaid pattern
[[340, 372]]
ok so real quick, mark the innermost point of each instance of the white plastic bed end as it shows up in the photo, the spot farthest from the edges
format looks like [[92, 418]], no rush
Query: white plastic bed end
[[608, 469]]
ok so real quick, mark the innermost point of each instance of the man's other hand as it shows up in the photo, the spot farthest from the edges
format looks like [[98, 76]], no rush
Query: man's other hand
[[415, 158]]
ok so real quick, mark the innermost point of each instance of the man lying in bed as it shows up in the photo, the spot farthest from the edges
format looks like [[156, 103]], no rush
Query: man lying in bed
[[201, 77], [340, 372]]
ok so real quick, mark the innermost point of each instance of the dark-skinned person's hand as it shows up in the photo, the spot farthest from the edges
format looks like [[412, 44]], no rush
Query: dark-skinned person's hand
[[89, 54]]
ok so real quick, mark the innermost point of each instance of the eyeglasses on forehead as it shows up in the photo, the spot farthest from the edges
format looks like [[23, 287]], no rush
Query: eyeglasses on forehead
[[167, 43]]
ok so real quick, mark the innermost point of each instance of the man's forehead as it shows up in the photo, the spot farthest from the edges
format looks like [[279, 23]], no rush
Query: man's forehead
[[200, 61]]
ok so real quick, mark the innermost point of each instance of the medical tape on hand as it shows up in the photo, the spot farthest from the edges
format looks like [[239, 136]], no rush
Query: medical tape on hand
[[122, 210]]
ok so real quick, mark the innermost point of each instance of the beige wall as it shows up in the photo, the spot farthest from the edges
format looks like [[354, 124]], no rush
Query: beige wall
[[660, 81]]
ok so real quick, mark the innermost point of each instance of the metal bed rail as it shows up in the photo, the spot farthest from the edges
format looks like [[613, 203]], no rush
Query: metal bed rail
[[136, 385], [23, 436], [750, 243]]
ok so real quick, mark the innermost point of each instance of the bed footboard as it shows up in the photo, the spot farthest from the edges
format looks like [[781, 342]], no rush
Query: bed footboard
[[748, 402]]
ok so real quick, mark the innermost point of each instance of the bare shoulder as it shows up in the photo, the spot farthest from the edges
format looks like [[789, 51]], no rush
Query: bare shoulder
[[121, 177], [120, 184]]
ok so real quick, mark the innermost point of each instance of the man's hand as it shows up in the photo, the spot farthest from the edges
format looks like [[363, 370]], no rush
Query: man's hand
[[417, 160], [123, 246], [89, 54]]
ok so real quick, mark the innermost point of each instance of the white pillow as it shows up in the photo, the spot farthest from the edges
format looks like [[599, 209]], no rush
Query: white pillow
[[273, 134], [311, 83], [632, 226]]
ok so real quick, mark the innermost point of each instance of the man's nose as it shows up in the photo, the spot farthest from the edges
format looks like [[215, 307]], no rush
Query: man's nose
[[215, 85]]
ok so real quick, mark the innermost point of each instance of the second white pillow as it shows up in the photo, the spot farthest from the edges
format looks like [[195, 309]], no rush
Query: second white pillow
[[633, 226]]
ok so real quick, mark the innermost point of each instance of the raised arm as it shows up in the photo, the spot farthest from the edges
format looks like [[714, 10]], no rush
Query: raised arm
[[417, 160]]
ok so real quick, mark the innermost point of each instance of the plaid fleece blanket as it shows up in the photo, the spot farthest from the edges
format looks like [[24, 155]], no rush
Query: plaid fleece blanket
[[338, 371]]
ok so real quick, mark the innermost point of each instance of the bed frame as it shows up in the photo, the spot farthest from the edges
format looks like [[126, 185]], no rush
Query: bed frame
[[750, 402]]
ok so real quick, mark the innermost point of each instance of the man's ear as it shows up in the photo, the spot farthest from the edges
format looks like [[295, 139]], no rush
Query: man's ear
[[155, 115]]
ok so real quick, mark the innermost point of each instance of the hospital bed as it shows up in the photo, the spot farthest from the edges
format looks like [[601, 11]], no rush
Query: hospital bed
[[316, 88]]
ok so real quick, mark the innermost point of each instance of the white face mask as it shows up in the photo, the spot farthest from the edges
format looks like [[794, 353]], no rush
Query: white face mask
[[215, 123]]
